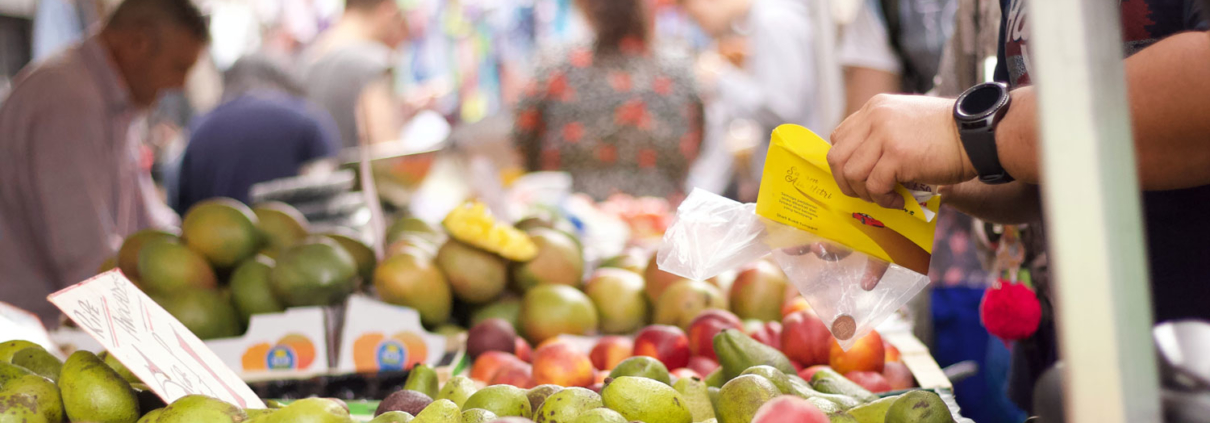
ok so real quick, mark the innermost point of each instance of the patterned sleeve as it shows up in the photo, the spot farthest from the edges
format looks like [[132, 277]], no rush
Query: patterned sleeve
[[529, 124]]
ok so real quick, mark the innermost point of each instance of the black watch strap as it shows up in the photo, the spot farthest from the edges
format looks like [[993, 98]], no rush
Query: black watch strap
[[980, 147], [977, 113]]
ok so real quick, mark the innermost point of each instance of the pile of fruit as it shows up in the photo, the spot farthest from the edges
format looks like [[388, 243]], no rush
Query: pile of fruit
[[228, 262]]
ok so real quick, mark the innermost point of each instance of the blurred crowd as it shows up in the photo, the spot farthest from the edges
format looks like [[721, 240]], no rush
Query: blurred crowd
[[642, 97]]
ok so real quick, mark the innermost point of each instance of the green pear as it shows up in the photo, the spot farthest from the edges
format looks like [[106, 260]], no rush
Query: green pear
[[737, 352], [741, 397], [37, 360], [566, 405], [9, 348], [310, 410], [715, 379], [642, 366], [9, 372], [152, 416], [457, 389], [538, 394], [393, 417], [118, 367], [201, 409], [94, 392], [478, 415], [258, 412], [697, 397], [503, 400], [422, 379], [38, 394], [874, 412], [919, 407], [600, 415], [645, 400], [830, 382], [440, 411]]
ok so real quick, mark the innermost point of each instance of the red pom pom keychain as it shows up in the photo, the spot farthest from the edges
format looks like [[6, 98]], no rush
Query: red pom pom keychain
[[1010, 311]]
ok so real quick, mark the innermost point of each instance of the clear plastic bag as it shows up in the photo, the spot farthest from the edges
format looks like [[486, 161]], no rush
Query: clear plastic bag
[[711, 235], [850, 291]]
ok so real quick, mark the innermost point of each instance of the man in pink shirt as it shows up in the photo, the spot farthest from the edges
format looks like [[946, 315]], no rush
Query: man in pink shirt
[[70, 184]]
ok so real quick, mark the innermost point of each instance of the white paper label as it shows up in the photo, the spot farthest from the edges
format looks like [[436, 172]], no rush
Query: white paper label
[[156, 347]]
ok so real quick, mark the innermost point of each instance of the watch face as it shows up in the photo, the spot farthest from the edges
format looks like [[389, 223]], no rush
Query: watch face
[[981, 101]]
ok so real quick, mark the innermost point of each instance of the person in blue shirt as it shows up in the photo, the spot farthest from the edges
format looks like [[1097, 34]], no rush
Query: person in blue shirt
[[263, 130]]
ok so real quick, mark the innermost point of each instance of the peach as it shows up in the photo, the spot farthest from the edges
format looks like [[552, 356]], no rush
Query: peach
[[806, 339], [610, 351], [866, 355], [794, 304], [806, 373], [560, 364], [898, 375], [523, 350], [599, 377], [516, 373], [789, 409], [871, 381], [490, 363], [668, 344], [685, 372], [705, 326], [702, 365], [892, 353], [551, 341]]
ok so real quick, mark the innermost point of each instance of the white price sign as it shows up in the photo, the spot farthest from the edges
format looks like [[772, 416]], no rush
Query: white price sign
[[156, 347]]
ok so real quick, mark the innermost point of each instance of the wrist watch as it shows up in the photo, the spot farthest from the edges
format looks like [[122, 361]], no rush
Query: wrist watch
[[977, 112]]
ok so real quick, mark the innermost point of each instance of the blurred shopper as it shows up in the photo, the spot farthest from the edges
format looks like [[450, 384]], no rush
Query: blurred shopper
[[264, 130], [620, 115], [787, 73], [894, 46], [349, 71], [895, 139], [72, 185]]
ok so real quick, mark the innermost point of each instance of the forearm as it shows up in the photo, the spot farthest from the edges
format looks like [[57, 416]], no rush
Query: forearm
[[1168, 92], [1010, 204], [861, 84]]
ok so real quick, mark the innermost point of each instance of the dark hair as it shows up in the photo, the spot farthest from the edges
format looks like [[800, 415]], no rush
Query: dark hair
[[363, 4], [180, 13], [617, 22], [259, 73]]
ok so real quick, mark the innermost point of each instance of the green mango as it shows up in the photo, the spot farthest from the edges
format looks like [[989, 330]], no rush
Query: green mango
[[802, 389], [478, 415], [566, 405], [645, 400], [118, 367], [841, 418], [830, 382], [94, 392], [151, 417], [919, 407], [715, 379], [37, 394], [538, 394], [201, 409], [423, 379], [458, 389], [258, 412], [37, 360], [440, 411], [741, 397], [697, 397], [874, 412], [503, 400], [737, 352]]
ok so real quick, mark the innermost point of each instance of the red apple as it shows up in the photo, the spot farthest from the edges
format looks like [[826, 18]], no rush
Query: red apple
[[665, 343], [516, 373], [705, 326], [871, 381], [789, 409], [806, 339], [702, 365], [768, 333], [797, 367], [892, 353], [794, 304], [866, 355], [899, 376], [523, 350], [685, 372], [806, 373], [610, 351]]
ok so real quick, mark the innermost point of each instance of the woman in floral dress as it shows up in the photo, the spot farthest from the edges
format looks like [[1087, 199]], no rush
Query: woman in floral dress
[[619, 115]]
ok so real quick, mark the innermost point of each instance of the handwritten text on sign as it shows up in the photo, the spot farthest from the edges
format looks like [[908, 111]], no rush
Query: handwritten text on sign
[[150, 342]]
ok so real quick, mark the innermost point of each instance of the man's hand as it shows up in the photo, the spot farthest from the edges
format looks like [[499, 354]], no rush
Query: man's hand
[[895, 139]]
